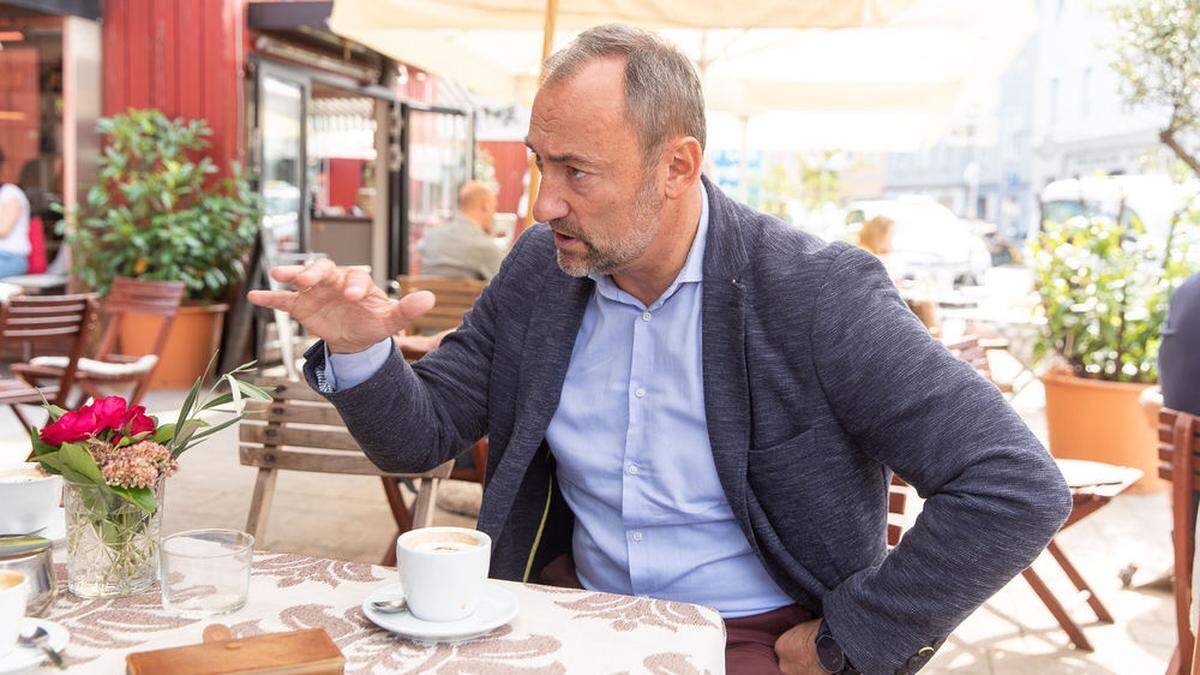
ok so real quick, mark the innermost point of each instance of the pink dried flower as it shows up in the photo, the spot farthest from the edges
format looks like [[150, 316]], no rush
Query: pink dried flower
[[139, 465]]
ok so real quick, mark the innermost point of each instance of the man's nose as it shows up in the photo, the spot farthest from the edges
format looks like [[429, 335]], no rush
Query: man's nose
[[548, 205]]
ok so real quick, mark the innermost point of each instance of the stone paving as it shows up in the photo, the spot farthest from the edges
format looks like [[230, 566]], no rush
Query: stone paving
[[347, 517]]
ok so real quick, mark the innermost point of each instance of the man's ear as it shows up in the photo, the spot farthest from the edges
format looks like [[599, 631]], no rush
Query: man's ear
[[684, 157]]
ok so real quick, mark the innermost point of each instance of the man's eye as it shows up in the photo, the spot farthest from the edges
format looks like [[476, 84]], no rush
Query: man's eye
[[576, 173]]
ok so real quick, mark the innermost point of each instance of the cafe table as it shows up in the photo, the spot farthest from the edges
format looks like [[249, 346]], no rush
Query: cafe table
[[557, 630]]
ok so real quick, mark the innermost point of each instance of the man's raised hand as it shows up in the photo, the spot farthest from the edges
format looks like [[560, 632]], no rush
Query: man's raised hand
[[344, 307]]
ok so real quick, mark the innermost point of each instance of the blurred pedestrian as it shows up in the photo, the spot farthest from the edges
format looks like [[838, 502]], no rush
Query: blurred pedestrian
[[14, 229]]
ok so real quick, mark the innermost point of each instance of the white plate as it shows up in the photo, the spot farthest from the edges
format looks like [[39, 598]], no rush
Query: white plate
[[24, 658], [497, 607]]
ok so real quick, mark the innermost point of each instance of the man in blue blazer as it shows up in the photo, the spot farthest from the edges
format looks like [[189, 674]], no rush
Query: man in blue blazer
[[690, 400]]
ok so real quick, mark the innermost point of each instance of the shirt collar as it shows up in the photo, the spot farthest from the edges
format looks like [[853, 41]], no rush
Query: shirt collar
[[693, 267]]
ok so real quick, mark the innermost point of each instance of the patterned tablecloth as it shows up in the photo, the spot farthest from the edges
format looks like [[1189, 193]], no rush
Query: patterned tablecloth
[[556, 631]]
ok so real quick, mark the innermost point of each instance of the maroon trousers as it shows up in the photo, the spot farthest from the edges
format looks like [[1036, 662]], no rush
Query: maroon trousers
[[749, 641]]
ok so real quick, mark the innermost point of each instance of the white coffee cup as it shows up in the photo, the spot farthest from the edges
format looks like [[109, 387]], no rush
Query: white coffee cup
[[443, 570], [30, 498], [14, 590]]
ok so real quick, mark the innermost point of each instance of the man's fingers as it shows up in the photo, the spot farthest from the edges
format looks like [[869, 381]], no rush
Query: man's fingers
[[358, 283], [410, 307], [281, 300], [315, 273], [286, 273]]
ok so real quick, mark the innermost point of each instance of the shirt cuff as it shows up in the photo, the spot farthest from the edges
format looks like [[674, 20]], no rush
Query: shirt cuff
[[346, 371]]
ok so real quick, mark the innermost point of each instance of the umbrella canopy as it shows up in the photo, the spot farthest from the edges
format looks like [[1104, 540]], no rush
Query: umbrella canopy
[[755, 56]]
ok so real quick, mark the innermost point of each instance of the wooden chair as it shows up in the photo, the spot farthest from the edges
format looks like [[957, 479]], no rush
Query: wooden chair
[[1178, 446], [127, 296], [455, 297], [45, 319], [1087, 497], [299, 431]]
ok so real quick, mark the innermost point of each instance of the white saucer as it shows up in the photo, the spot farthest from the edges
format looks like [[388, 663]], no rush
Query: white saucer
[[23, 658], [497, 607], [56, 531]]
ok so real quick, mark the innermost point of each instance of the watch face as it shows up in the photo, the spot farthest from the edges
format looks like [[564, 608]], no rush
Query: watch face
[[830, 655]]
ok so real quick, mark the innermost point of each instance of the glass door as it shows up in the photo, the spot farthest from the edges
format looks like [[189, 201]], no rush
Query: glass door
[[438, 156], [282, 118]]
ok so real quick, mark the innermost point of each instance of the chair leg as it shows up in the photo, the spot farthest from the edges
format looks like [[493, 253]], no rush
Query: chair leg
[[423, 505], [260, 503], [1175, 667], [1060, 613], [400, 512], [143, 383], [1080, 583], [20, 417]]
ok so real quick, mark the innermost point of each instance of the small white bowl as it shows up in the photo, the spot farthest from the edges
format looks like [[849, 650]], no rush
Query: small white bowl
[[30, 503]]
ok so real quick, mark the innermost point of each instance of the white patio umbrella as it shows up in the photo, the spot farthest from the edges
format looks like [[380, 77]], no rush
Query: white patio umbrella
[[887, 64]]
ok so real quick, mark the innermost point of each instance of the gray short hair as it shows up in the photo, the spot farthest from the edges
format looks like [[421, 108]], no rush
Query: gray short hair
[[663, 96]]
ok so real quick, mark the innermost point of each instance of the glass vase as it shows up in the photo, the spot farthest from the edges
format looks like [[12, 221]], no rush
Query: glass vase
[[112, 545]]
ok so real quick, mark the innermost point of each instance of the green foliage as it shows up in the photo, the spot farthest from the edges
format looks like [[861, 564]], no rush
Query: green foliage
[[1104, 287], [158, 211], [1157, 59]]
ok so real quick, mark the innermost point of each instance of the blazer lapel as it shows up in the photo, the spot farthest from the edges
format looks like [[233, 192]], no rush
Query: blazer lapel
[[726, 385], [545, 355]]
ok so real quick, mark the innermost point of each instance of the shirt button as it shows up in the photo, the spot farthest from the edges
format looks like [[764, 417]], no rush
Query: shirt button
[[639, 392], [637, 535], [646, 316], [633, 469]]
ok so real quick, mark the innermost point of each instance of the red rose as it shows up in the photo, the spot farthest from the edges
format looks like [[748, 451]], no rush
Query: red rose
[[73, 426], [111, 413], [138, 422]]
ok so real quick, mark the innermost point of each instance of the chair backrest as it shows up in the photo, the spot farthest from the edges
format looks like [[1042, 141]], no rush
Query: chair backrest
[[300, 431], [53, 319], [455, 297], [137, 296], [897, 501], [968, 350], [1178, 445]]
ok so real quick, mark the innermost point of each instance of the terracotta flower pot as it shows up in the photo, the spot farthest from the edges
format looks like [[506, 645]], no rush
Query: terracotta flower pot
[[195, 335], [1103, 422]]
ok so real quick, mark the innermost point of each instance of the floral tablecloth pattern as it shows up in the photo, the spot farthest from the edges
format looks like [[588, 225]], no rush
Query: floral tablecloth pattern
[[556, 631]]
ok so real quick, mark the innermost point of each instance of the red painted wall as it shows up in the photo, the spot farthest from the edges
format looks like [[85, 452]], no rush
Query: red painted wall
[[511, 161], [184, 57]]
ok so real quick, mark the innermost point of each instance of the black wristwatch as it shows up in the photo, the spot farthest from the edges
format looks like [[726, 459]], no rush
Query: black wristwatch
[[830, 654]]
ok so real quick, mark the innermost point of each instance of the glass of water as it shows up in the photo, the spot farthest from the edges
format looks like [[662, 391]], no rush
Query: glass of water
[[205, 572]]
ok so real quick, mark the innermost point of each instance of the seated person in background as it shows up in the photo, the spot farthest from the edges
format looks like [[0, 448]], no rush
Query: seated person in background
[[876, 235], [464, 247], [1178, 367], [14, 229]]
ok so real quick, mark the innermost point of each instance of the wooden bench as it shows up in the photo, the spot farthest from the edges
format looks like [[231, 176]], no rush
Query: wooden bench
[[301, 431]]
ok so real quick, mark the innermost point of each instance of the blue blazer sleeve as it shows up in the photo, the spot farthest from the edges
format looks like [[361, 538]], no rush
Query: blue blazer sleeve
[[994, 496]]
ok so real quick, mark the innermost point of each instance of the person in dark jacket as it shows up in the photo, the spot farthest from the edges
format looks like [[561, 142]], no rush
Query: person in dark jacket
[[1179, 356], [690, 400]]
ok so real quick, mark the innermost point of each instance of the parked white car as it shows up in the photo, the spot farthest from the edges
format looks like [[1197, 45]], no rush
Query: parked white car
[[929, 241], [1153, 199]]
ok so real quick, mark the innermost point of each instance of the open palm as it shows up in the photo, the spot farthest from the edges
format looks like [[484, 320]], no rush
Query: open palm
[[344, 307]]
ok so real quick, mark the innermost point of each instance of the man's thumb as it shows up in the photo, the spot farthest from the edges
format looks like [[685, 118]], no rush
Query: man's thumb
[[411, 306]]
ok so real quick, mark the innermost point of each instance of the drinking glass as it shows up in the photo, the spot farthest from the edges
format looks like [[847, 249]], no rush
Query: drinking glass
[[206, 572]]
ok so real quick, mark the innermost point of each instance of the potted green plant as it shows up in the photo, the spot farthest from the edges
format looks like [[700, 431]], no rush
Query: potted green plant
[[160, 212], [1104, 284]]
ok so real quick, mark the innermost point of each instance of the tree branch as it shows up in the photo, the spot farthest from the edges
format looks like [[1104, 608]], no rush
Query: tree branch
[[1167, 136]]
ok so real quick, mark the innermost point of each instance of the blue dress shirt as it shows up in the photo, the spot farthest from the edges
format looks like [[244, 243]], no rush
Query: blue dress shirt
[[631, 443]]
